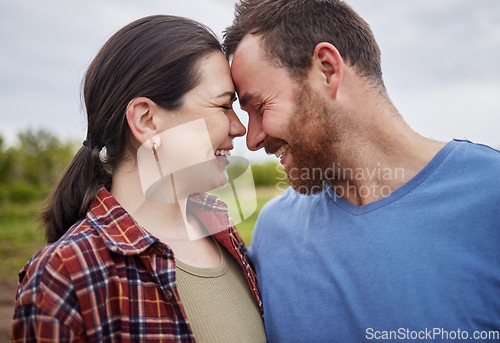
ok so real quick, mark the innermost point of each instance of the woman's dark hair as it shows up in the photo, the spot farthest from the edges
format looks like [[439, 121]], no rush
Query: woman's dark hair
[[291, 29], [154, 57]]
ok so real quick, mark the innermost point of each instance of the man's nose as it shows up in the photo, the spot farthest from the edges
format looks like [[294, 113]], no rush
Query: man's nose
[[255, 134]]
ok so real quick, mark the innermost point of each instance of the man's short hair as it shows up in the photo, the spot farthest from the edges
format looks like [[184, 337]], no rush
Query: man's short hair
[[291, 29]]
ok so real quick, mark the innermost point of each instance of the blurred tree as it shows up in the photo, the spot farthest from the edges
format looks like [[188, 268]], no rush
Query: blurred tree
[[7, 162], [44, 156], [29, 169]]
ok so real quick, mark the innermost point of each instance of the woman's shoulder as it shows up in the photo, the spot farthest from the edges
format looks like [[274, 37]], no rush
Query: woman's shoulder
[[48, 282], [62, 257]]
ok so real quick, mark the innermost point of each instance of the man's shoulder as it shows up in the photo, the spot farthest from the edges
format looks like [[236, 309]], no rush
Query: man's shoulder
[[475, 162], [477, 151], [289, 205], [288, 198]]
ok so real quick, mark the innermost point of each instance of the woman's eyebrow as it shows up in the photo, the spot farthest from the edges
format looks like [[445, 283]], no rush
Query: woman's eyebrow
[[230, 94]]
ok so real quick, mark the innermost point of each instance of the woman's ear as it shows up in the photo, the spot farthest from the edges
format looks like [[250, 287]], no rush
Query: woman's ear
[[140, 117], [329, 66]]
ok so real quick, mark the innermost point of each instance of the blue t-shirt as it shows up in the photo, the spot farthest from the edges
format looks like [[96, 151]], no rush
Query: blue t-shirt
[[422, 264]]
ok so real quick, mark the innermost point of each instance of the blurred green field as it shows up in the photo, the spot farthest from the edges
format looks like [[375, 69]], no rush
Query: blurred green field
[[20, 238], [245, 228]]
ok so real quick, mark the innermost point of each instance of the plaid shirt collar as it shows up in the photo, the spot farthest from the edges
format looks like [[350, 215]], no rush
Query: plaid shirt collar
[[123, 235]]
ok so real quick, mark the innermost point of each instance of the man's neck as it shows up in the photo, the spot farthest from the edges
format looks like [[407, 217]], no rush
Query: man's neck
[[382, 160]]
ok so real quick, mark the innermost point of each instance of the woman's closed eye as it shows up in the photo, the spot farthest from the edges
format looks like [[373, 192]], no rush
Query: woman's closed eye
[[229, 105]]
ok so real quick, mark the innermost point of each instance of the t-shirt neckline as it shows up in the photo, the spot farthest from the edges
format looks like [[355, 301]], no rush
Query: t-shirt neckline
[[433, 164]]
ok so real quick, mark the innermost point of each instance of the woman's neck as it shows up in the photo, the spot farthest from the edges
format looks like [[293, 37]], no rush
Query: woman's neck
[[171, 223], [155, 217]]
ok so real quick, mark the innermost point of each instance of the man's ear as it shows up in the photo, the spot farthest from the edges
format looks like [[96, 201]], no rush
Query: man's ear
[[140, 118], [328, 64]]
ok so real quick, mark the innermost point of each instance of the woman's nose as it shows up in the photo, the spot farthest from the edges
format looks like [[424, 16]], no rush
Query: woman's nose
[[236, 128]]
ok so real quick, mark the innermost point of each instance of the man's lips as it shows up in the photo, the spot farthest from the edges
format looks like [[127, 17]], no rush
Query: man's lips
[[282, 150], [273, 145]]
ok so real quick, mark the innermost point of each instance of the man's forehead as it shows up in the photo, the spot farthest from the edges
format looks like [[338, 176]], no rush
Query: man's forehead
[[249, 44]]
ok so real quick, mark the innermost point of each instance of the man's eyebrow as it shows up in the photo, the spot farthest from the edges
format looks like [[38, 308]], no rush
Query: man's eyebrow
[[245, 99]]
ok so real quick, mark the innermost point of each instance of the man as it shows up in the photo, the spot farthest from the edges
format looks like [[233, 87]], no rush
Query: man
[[386, 235]]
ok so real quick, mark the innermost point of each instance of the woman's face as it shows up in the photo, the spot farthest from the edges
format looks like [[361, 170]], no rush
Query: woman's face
[[212, 100], [197, 138]]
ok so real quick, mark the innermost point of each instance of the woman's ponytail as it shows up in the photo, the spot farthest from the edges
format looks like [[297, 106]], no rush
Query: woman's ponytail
[[71, 197]]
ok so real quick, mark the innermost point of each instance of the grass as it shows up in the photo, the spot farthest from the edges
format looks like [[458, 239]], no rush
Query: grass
[[20, 238]]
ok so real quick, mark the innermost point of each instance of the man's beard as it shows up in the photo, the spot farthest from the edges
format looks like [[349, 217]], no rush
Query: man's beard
[[315, 131]]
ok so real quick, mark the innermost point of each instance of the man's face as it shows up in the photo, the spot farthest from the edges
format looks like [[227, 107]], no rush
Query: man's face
[[285, 117], [266, 92]]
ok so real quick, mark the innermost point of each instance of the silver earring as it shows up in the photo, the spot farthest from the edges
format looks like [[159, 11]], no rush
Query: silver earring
[[103, 155]]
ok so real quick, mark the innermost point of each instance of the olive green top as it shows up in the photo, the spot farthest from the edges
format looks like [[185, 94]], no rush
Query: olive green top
[[218, 302]]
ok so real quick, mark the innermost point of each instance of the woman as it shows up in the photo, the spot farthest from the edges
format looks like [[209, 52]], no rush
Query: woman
[[122, 264]]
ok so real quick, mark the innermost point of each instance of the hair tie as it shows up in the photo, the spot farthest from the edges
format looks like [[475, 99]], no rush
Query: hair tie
[[91, 145], [103, 153], [87, 144]]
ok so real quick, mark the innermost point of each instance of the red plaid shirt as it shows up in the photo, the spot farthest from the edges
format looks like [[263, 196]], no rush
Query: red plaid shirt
[[109, 280]]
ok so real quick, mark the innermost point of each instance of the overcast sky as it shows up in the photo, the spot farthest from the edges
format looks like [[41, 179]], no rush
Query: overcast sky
[[440, 60]]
